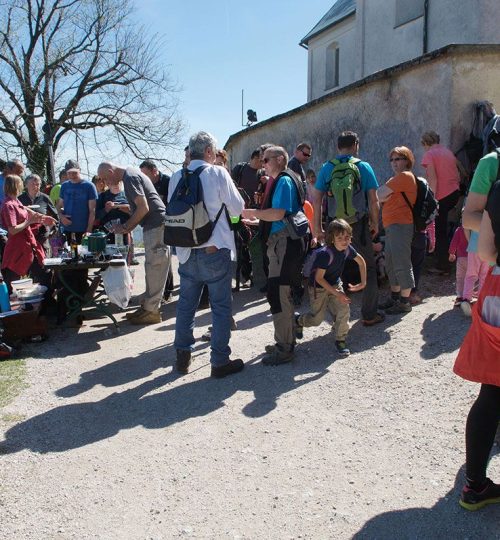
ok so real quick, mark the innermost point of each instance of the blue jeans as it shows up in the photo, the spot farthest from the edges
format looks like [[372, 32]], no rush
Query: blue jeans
[[214, 270]]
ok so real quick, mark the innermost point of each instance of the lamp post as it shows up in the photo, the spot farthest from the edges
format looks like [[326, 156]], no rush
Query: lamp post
[[251, 114]]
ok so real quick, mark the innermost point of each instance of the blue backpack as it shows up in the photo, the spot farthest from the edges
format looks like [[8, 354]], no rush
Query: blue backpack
[[309, 265], [187, 223]]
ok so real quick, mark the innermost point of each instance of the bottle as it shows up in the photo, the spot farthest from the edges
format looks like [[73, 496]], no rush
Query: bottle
[[74, 247], [4, 297], [119, 240]]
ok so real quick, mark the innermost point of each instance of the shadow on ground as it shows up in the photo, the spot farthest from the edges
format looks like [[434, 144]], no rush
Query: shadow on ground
[[445, 520], [443, 333], [155, 403]]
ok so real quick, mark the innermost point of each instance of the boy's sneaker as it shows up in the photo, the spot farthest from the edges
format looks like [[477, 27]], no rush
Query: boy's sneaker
[[458, 301], [466, 308], [399, 307], [299, 329], [475, 500], [342, 348]]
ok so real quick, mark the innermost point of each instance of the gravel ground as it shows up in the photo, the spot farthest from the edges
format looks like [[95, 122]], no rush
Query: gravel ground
[[108, 442]]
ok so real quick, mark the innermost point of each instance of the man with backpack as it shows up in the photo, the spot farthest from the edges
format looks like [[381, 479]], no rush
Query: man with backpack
[[246, 177], [285, 249], [205, 258], [148, 211], [352, 189]]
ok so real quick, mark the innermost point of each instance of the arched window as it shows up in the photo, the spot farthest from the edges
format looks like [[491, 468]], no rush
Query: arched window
[[332, 66]]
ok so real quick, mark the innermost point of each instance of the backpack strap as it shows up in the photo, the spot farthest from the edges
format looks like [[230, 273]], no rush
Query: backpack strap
[[228, 217], [406, 198], [298, 185]]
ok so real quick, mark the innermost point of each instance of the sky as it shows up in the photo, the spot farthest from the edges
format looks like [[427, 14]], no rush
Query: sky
[[213, 50]]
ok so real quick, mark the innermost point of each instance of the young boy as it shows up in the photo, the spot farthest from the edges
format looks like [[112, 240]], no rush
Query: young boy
[[325, 285]]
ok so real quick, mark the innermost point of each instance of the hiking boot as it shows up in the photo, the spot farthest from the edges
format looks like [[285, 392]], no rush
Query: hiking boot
[[475, 500], [270, 349], [277, 357], [183, 361], [132, 314], [466, 308], [379, 317], [299, 329], [399, 307], [342, 348], [233, 366], [387, 304], [146, 317]]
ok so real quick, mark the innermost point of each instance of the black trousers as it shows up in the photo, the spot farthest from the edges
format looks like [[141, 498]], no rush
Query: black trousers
[[362, 243], [482, 424], [418, 250]]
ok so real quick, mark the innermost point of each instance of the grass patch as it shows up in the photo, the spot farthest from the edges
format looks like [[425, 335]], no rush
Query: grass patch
[[13, 418], [12, 379]]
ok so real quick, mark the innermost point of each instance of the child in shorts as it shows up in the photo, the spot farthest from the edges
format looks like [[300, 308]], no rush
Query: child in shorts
[[325, 286]]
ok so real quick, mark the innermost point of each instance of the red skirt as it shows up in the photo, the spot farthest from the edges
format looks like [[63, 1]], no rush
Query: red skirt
[[479, 357]]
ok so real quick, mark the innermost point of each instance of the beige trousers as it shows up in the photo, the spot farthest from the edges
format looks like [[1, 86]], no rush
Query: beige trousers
[[157, 263], [319, 302]]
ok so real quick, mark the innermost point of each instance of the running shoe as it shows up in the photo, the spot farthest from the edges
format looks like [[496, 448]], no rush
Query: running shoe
[[475, 500]]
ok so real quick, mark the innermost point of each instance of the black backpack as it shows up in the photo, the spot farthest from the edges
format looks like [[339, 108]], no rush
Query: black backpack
[[237, 172], [426, 206], [187, 223]]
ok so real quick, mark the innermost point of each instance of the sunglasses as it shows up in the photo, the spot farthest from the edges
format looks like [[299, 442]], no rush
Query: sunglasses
[[267, 159], [305, 154], [397, 159]]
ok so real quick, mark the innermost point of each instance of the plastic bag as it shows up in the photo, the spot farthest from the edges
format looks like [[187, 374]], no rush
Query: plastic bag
[[118, 283]]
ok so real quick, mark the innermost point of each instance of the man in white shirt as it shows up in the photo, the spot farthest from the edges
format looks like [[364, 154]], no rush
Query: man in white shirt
[[209, 263]]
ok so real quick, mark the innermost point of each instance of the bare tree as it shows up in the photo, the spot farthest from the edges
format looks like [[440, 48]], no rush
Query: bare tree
[[73, 65]]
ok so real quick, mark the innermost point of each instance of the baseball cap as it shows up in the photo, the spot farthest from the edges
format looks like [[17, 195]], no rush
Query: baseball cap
[[71, 165]]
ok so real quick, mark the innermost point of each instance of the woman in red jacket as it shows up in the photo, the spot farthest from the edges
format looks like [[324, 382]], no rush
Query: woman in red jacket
[[479, 361], [23, 255]]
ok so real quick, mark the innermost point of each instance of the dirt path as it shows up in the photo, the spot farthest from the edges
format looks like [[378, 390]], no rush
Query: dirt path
[[110, 443]]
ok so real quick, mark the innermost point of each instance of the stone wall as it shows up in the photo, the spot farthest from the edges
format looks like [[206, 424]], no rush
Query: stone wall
[[390, 108]]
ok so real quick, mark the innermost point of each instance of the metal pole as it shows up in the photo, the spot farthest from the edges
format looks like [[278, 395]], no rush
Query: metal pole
[[242, 93], [425, 45]]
